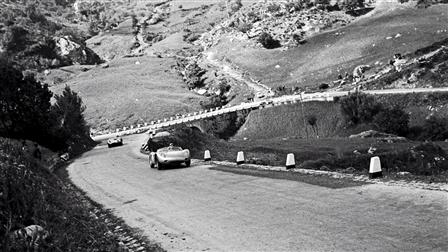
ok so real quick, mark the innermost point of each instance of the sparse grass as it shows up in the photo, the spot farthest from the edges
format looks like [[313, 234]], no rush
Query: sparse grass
[[362, 42], [127, 93], [289, 121]]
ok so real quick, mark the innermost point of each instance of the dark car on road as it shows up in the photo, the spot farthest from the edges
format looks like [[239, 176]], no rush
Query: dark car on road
[[116, 141]]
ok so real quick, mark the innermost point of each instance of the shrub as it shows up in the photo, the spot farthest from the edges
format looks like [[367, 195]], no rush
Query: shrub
[[213, 102], [34, 14], [392, 120], [298, 37], [14, 39], [324, 86], [434, 129], [351, 4], [68, 112], [359, 108], [273, 7], [244, 27], [312, 121], [24, 106], [193, 75], [267, 41], [427, 159], [234, 5]]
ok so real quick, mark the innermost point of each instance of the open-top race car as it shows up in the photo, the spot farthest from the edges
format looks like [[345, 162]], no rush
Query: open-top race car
[[171, 155], [116, 141]]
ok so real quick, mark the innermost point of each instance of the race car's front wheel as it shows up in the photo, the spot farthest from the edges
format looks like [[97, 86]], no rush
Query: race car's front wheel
[[188, 163], [158, 165]]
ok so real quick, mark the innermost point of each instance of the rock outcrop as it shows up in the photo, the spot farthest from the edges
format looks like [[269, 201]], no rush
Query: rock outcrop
[[288, 22], [75, 53]]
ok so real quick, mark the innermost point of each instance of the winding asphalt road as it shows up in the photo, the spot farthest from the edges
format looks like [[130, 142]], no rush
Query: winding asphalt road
[[197, 209]]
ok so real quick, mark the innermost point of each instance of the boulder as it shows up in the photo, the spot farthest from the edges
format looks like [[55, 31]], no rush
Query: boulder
[[75, 53], [385, 137]]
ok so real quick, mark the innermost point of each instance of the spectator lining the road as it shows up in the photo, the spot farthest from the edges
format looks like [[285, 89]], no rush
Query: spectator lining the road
[[37, 153]]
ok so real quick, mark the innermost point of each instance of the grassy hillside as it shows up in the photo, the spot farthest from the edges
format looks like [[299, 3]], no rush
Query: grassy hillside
[[288, 121], [126, 92], [130, 91], [32, 195], [367, 40]]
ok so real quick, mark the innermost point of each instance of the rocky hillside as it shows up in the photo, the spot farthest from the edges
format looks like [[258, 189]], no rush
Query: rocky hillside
[[390, 28], [288, 22], [43, 34]]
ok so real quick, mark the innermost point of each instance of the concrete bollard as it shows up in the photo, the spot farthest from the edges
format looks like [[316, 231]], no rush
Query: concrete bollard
[[132, 126], [124, 128], [290, 161], [375, 168], [207, 156], [240, 158], [117, 130]]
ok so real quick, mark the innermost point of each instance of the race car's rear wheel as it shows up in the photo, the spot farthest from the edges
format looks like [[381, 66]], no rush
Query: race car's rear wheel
[[188, 163]]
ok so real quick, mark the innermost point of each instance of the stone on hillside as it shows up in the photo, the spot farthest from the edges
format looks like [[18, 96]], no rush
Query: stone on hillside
[[75, 53], [154, 19]]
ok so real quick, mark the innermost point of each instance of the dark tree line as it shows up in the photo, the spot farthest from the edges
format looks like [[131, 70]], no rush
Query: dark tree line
[[27, 113]]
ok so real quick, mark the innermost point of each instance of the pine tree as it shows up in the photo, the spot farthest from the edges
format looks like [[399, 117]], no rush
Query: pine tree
[[24, 105], [68, 112]]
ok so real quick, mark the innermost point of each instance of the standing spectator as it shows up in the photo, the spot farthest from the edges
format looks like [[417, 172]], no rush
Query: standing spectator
[[37, 153]]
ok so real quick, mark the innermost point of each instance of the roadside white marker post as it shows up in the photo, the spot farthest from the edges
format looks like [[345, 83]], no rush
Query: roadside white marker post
[[375, 168], [240, 158], [290, 161], [207, 156]]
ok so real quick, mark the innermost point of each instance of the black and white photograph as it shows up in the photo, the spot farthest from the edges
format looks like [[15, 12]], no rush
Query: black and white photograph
[[223, 125]]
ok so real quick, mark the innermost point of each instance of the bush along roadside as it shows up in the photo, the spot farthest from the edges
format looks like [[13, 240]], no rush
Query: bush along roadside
[[40, 211]]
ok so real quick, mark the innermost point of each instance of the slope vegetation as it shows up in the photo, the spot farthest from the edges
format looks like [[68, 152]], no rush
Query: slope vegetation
[[374, 38], [291, 121], [130, 91]]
